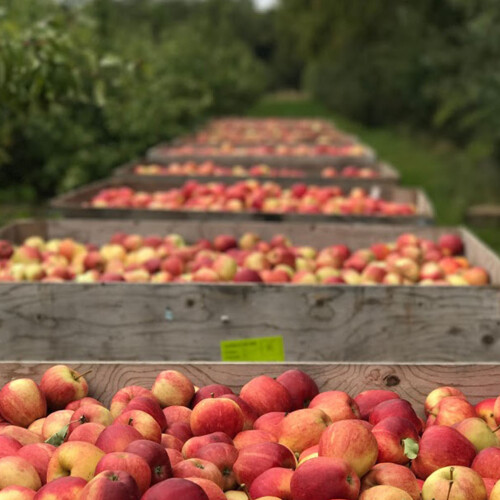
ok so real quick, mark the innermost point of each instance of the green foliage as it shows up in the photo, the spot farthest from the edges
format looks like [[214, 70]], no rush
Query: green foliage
[[81, 92]]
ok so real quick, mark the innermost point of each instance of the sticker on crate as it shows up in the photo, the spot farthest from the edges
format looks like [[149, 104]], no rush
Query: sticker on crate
[[255, 349]]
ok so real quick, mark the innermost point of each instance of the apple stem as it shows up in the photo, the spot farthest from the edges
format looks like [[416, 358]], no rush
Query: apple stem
[[451, 483], [83, 374]]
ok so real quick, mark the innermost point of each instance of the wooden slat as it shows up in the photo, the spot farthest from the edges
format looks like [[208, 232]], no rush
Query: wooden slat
[[411, 382]]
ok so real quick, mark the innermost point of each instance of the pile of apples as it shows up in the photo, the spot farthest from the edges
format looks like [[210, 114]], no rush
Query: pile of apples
[[209, 168], [278, 439], [295, 150], [268, 131], [136, 259], [252, 196]]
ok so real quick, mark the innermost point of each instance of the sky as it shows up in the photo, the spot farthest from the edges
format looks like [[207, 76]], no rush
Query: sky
[[265, 4]]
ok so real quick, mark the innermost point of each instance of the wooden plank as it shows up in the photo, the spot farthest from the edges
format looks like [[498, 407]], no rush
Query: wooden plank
[[411, 381], [483, 215], [71, 205], [171, 322]]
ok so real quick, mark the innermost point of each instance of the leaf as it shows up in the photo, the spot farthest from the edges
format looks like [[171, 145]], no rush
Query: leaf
[[410, 448], [58, 438]]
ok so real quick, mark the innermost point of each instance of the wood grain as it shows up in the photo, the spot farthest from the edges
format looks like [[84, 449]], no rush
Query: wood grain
[[411, 381], [71, 204]]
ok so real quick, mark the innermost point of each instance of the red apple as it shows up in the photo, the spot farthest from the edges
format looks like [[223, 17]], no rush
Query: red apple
[[117, 437], [325, 478], [351, 441], [368, 400], [150, 406], [62, 385], [16, 471], [191, 446], [394, 435], [210, 391], [9, 446], [217, 415], [64, 488], [172, 388], [131, 463], [224, 456], [38, 455], [395, 408], [249, 414], [123, 397], [155, 456], [143, 422], [390, 474], [197, 467], [22, 402], [271, 423], [338, 405], [487, 463], [88, 432], [111, 485], [175, 489]]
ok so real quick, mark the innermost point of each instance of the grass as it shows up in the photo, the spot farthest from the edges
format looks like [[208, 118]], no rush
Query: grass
[[445, 173]]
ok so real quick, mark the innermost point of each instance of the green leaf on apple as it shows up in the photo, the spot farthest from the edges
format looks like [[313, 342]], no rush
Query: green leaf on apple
[[58, 438], [410, 448]]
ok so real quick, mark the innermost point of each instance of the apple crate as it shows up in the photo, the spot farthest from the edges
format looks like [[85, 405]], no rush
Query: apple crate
[[387, 176], [411, 381], [162, 154], [175, 321], [72, 204]]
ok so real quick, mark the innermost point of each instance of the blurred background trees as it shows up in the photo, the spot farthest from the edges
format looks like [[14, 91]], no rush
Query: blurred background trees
[[85, 85]]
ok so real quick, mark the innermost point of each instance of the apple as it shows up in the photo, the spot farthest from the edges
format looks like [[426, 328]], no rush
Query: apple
[[177, 414], [392, 435], [224, 456], [175, 489], [435, 397], [210, 391], [117, 437], [254, 436], [325, 478], [389, 474], [395, 408], [17, 493], [265, 394], [191, 446], [124, 396], [88, 432], [24, 436], [351, 441], [476, 430], [439, 447], [368, 400], [212, 491], [172, 388], [171, 442], [454, 482], [38, 455], [37, 426], [385, 493], [180, 430], [249, 414], [338, 405], [111, 485], [302, 429], [64, 488], [74, 405], [308, 453], [143, 422], [155, 456], [175, 456], [217, 415], [270, 422], [90, 413], [22, 402], [62, 385], [273, 482], [197, 467], [254, 459], [487, 463], [76, 459], [131, 463], [150, 406], [451, 244], [450, 411], [485, 409], [9, 446], [16, 471], [55, 422]]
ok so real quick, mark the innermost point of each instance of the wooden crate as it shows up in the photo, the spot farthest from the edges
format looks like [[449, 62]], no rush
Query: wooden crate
[[411, 381], [483, 215], [160, 154], [71, 205], [187, 321], [387, 175]]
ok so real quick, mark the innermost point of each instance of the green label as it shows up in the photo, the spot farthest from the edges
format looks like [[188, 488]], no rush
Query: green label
[[255, 349]]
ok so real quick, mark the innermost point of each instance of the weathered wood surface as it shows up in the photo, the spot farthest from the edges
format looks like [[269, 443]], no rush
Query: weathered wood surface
[[388, 175], [187, 321], [71, 205], [158, 154], [172, 322], [484, 215], [412, 382]]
